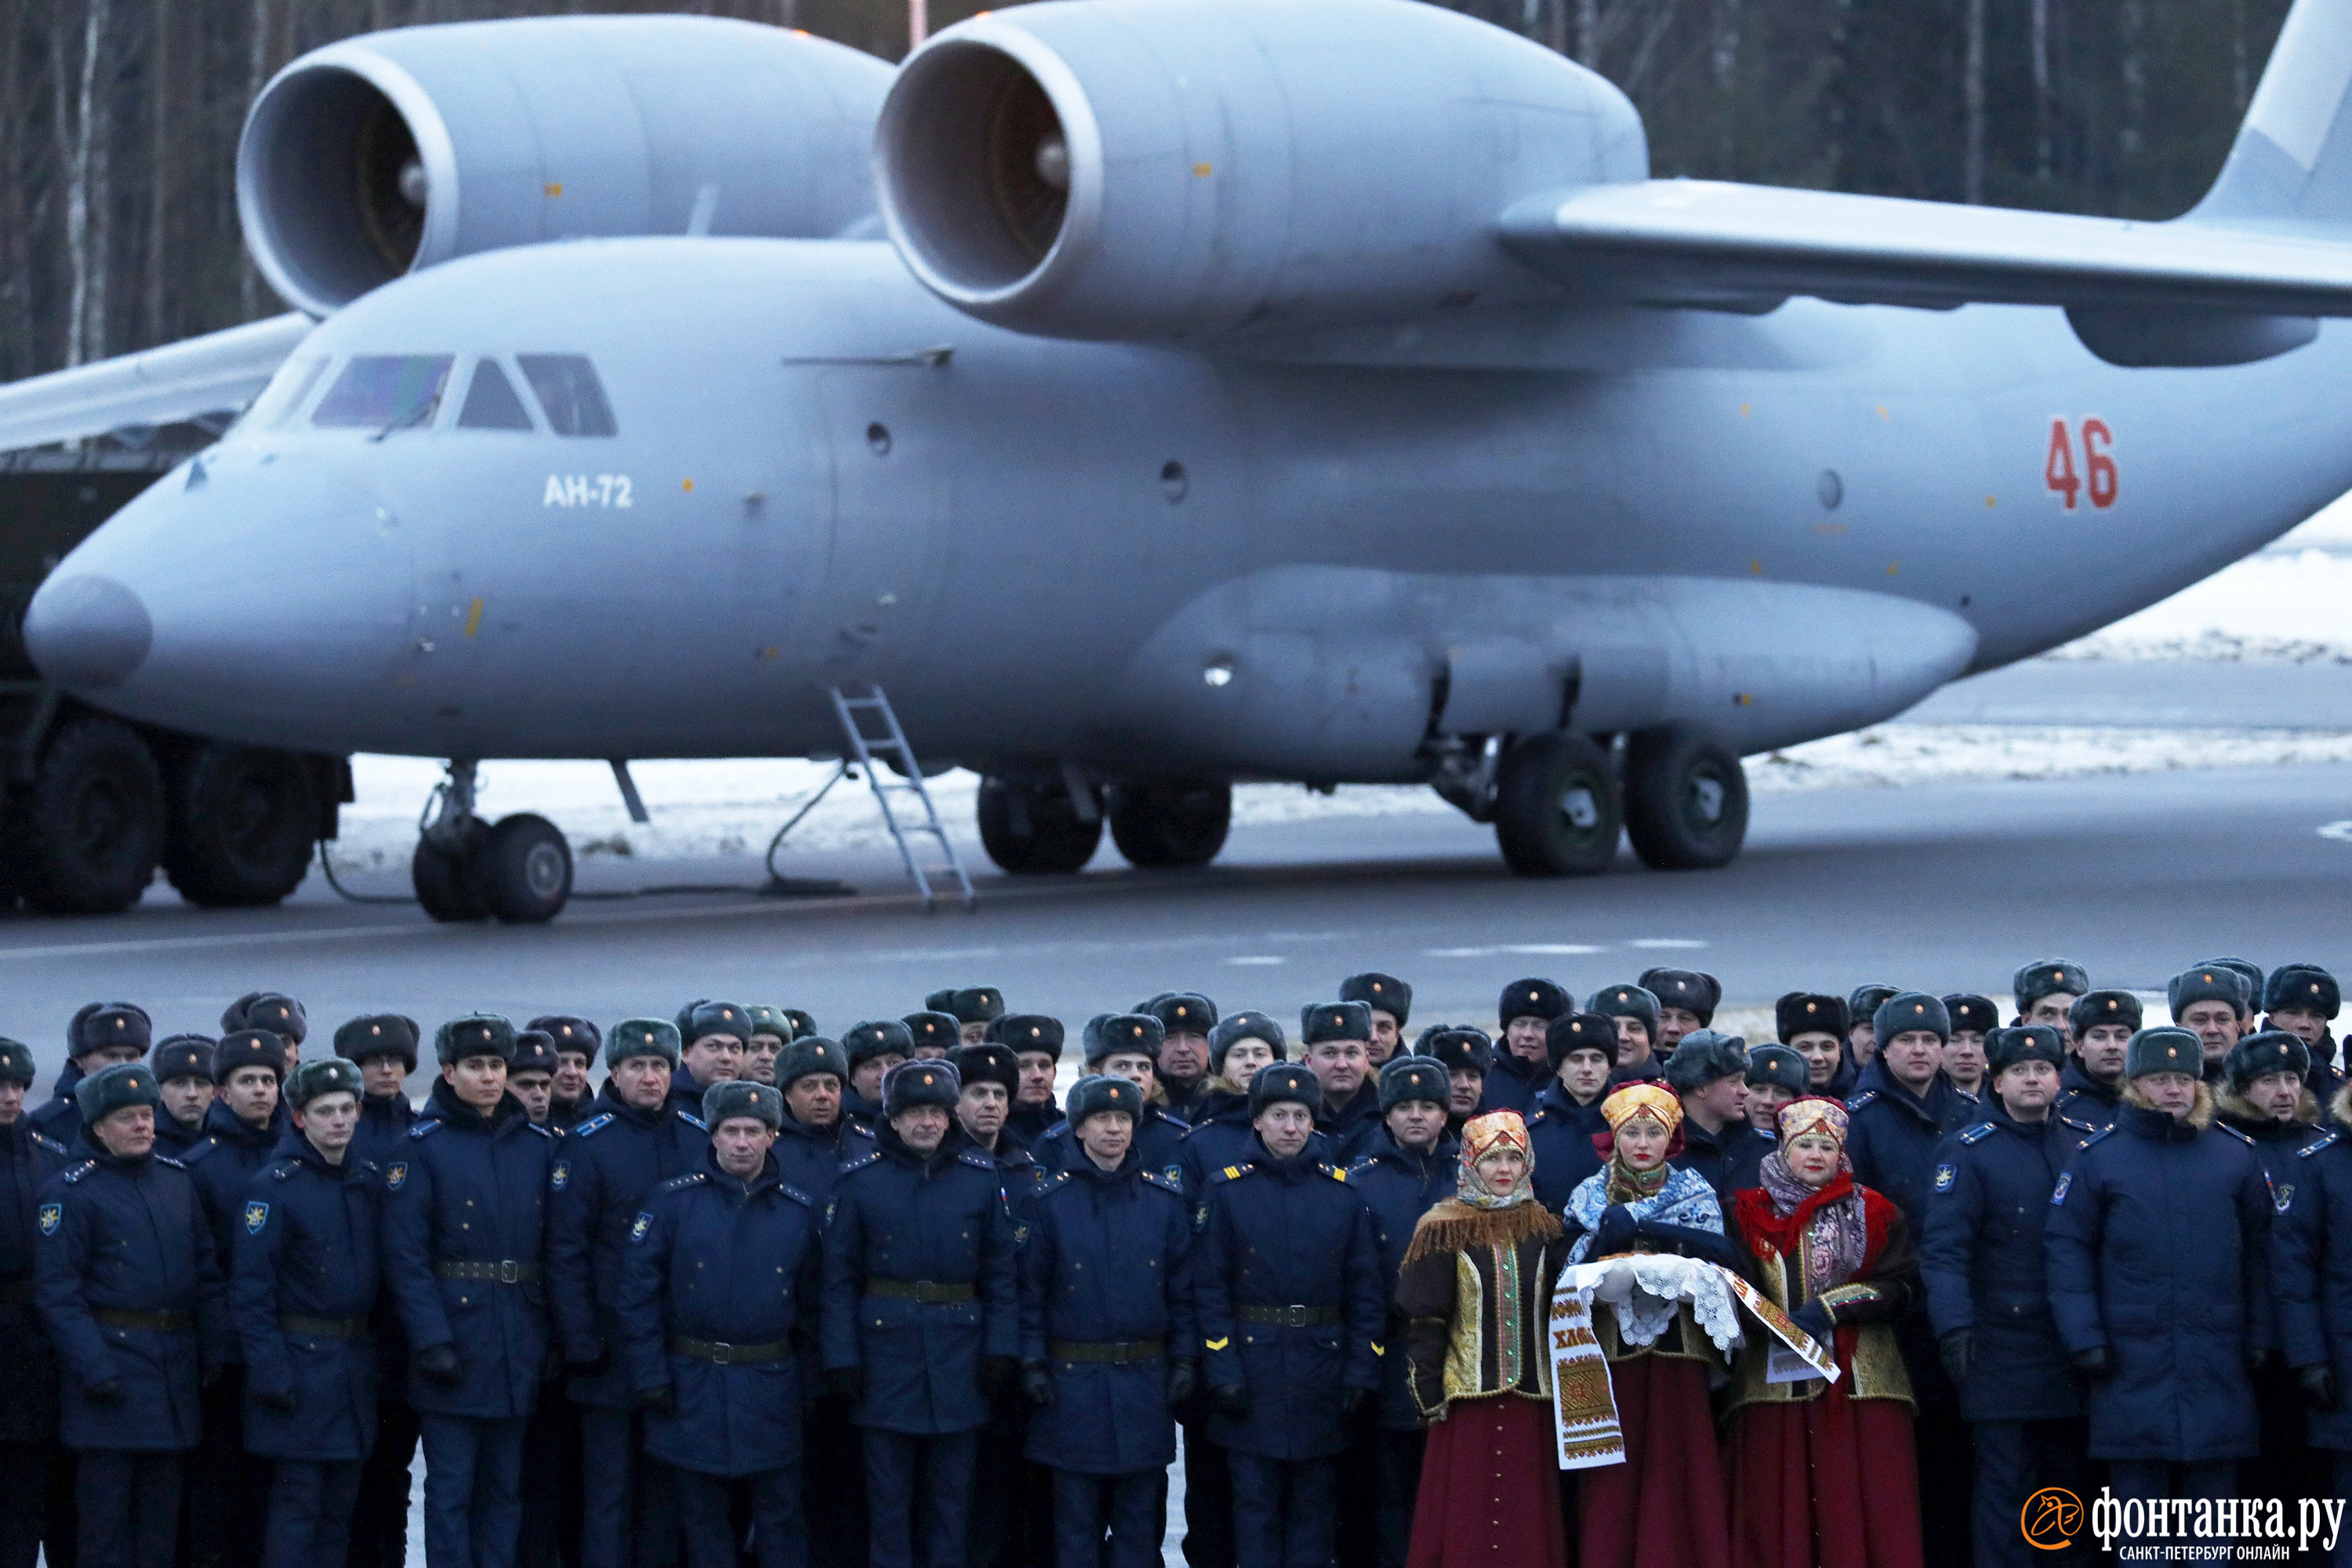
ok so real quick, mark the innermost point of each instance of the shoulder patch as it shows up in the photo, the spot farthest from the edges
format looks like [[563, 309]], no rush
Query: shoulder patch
[[76, 1172], [2108, 1132], [589, 1128], [1165, 1181], [974, 1157], [1944, 1177], [282, 1172], [861, 1162], [1052, 1181], [640, 1226], [1232, 1173], [2316, 1144], [678, 1184], [2078, 1126], [549, 1133], [52, 1216], [51, 1144], [558, 1176], [256, 1217], [797, 1195], [425, 1125], [1175, 1120], [1335, 1174], [167, 1159], [2058, 1193], [1362, 1163], [1859, 1100], [1979, 1133], [2239, 1133], [395, 1174], [691, 1119]]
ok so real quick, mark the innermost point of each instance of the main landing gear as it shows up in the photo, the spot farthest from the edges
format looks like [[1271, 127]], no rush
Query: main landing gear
[[517, 871], [1559, 801], [1054, 826]]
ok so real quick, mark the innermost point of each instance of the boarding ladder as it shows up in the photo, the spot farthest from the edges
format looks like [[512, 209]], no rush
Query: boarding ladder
[[857, 714]]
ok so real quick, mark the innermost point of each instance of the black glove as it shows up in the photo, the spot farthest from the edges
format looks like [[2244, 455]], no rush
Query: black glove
[[438, 1364], [106, 1391], [1182, 1380], [2318, 1381], [2258, 1360], [1956, 1346], [598, 1367], [1815, 1319], [1351, 1402], [277, 1401], [657, 1401], [2095, 1363], [1037, 1385], [998, 1373], [1229, 1400], [1615, 1233], [846, 1383]]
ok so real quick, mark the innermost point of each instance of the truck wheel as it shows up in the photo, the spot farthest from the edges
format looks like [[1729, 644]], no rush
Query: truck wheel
[[1033, 831], [89, 828], [243, 821], [440, 873], [1686, 799], [522, 873], [1557, 812], [1163, 825]]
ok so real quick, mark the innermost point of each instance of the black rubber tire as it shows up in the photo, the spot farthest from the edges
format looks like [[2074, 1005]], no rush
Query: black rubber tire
[[1686, 799], [1039, 834], [244, 823], [522, 873], [86, 835], [1163, 825], [440, 874], [1557, 809]]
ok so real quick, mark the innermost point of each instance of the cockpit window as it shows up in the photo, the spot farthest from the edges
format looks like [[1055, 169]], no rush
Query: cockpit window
[[570, 394], [286, 391], [491, 403], [387, 390]]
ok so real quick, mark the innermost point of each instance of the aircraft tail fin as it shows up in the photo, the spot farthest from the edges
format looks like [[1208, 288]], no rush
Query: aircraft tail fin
[[2292, 165]]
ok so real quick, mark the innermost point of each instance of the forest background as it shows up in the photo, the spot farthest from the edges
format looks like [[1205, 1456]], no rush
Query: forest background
[[118, 118]]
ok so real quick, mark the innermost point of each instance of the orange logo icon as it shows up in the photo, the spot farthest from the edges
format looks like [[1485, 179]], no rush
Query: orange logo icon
[[2052, 1519]]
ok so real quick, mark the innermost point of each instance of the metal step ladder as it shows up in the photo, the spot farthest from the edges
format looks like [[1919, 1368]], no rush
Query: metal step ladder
[[856, 714]]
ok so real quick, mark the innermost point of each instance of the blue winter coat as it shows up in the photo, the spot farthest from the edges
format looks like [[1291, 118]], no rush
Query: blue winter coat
[[58, 1118], [2311, 1275], [308, 1246], [1107, 1263], [471, 1189], [713, 1259], [175, 1137], [2155, 1249], [596, 1187], [28, 1367], [2084, 1103], [1158, 1145], [222, 1162], [1223, 1136], [1560, 1135], [1892, 1135], [1981, 1261], [897, 1216], [1400, 1186], [809, 1159], [385, 1122], [1723, 1158], [1513, 1082], [1284, 1235], [2275, 1145], [129, 1235], [1350, 1129]]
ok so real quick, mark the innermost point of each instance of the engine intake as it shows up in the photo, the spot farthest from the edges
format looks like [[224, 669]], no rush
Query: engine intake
[[391, 151], [1130, 169]]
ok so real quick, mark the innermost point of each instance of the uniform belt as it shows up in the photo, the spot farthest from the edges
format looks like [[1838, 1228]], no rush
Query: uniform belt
[[1287, 1317], [156, 1322], [1112, 1352], [16, 1292], [921, 1290], [323, 1328], [726, 1354], [505, 1271]]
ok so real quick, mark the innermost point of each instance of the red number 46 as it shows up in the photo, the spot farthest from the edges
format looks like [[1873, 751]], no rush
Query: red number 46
[[2098, 463]]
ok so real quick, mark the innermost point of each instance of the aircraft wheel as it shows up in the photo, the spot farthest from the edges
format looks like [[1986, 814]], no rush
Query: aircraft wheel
[[439, 872], [243, 822], [1163, 824], [1557, 812], [1686, 799], [522, 873], [88, 830], [1033, 831]]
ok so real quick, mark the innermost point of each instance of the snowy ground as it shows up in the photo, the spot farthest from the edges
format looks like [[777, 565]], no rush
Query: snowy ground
[[2288, 604]]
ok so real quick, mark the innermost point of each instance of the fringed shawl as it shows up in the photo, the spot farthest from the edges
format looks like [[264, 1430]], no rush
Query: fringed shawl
[[1453, 1225]]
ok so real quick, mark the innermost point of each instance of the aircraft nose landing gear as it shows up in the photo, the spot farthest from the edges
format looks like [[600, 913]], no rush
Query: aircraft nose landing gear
[[518, 871]]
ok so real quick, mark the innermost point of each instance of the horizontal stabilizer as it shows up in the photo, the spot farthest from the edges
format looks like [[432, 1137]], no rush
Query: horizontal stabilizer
[[218, 373]]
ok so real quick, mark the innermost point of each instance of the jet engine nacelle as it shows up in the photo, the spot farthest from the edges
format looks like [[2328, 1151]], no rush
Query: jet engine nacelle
[[394, 151], [1131, 169]]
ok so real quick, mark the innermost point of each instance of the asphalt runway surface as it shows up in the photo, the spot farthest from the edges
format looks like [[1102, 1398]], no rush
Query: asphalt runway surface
[[1943, 887]]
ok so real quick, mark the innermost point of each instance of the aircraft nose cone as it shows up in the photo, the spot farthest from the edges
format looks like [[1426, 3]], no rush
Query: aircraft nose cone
[[87, 631]]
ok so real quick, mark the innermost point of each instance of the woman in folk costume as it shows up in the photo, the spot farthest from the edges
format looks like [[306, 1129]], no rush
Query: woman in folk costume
[[1664, 1507], [1475, 1293], [1822, 1472]]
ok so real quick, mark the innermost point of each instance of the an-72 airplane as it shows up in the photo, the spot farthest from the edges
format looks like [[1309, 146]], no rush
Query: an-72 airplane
[[1185, 392]]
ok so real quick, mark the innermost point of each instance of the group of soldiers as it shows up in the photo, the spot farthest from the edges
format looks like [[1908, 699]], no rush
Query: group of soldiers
[[768, 1296]]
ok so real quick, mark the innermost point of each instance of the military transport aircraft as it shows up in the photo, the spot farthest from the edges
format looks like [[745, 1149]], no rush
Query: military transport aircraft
[[1141, 395]]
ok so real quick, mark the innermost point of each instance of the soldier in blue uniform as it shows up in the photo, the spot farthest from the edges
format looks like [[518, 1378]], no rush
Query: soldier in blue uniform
[[464, 1227], [28, 1367], [1108, 1337], [101, 1035], [1566, 1113], [303, 1281], [1708, 1073], [1974, 1018], [382, 1046], [1862, 1040], [1981, 1261], [1125, 1044], [2156, 1246], [1289, 1289], [1636, 1013], [920, 1321], [1390, 1002], [720, 1271], [1521, 1065], [1465, 1053], [577, 1042], [1815, 1025], [274, 1011], [1335, 1042], [1405, 1168], [1036, 1041], [770, 1032], [974, 1009], [2099, 1027], [711, 1038], [2303, 999], [2311, 1273], [1776, 1075], [1687, 999], [2211, 1001], [531, 1077], [227, 1496], [638, 1136], [184, 1074], [2046, 992], [131, 1290], [933, 1035], [1242, 1046], [810, 1075], [1181, 1067], [873, 1048]]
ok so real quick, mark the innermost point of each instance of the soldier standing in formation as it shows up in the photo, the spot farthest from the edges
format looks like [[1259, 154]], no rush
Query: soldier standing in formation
[[183, 1075], [1182, 1065], [1037, 1044], [101, 1035], [576, 1042], [382, 1046], [872, 1048], [28, 1368], [1565, 1116], [1390, 1001], [2099, 1028], [1709, 1073], [1522, 1062], [1634, 1012], [1335, 1040]]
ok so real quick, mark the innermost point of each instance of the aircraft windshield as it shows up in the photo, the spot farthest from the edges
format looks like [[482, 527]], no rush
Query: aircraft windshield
[[570, 392], [286, 391], [491, 403], [385, 391]]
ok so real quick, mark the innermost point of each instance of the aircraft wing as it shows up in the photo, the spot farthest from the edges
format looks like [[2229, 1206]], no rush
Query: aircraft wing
[[219, 372], [1707, 243]]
